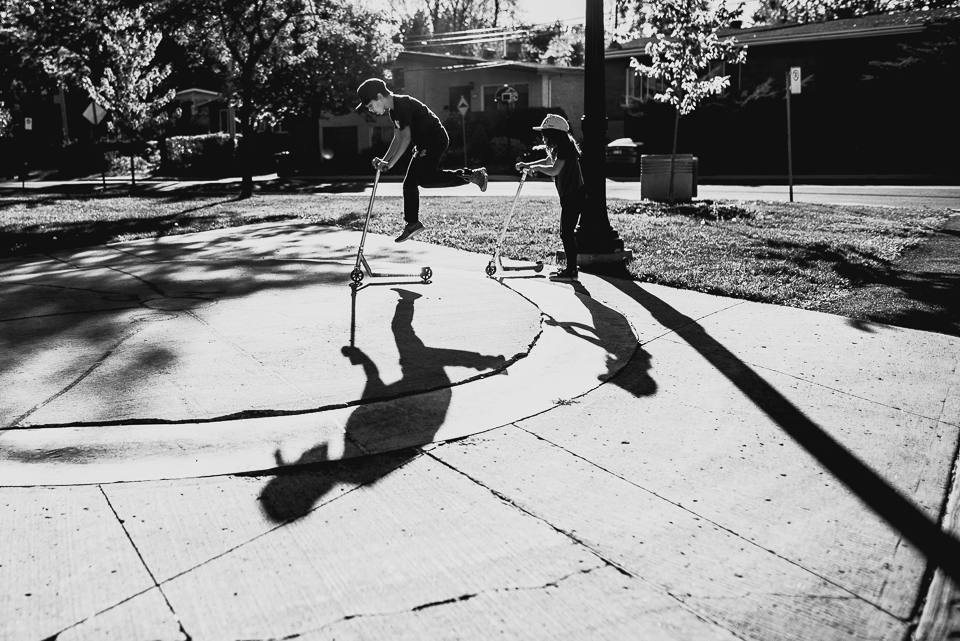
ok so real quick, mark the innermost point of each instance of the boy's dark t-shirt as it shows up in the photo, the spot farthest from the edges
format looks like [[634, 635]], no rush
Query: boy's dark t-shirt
[[570, 179], [425, 127]]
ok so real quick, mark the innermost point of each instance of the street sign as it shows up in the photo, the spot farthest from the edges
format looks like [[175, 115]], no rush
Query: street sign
[[463, 106], [28, 123], [95, 113], [795, 80]]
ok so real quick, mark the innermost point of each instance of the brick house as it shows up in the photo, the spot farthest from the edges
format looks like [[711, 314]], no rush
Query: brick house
[[442, 81]]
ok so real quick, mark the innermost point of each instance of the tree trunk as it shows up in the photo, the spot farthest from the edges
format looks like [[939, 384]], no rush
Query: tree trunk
[[673, 155]]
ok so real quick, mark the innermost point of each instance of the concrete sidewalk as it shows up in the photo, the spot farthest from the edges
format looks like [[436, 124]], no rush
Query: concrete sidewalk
[[209, 437]]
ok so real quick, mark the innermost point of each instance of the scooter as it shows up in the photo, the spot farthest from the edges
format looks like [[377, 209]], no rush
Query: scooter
[[496, 265], [357, 274]]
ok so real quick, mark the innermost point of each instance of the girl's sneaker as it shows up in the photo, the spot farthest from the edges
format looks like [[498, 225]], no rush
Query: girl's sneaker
[[567, 273]]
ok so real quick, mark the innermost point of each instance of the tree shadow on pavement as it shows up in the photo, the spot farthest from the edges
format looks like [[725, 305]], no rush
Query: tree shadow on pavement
[[410, 419], [940, 548]]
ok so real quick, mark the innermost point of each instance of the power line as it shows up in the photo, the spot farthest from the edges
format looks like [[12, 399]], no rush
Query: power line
[[476, 36]]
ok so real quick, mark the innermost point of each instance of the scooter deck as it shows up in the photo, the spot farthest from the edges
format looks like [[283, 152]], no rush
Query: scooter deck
[[356, 276]]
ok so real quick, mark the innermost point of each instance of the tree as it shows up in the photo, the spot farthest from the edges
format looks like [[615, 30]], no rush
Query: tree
[[556, 44], [774, 12], [279, 55], [684, 47], [128, 84]]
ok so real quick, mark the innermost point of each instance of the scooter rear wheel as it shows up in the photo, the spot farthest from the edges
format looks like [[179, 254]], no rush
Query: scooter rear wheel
[[425, 274]]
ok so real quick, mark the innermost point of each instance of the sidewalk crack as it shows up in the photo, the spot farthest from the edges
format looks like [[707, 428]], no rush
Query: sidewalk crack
[[827, 580], [570, 535], [96, 364]]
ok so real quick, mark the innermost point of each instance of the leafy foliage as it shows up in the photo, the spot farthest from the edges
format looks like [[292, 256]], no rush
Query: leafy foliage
[[774, 12], [685, 45], [129, 81]]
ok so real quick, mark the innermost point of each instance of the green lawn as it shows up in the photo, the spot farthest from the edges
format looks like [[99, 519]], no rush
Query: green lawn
[[796, 254]]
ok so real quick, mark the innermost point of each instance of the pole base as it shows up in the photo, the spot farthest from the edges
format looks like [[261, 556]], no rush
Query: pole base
[[607, 258]]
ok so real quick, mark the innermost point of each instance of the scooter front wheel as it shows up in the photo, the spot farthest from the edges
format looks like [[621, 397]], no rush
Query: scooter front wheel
[[491, 269], [425, 274], [356, 275]]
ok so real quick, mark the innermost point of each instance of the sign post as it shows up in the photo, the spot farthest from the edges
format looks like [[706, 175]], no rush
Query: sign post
[[95, 113], [793, 86], [27, 126], [464, 107]]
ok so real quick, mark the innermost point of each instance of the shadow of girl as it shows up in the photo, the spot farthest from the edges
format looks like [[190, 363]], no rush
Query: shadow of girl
[[414, 410]]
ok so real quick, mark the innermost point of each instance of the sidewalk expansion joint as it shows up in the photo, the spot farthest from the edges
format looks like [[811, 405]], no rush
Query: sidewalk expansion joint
[[693, 321], [281, 524], [146, 567], [827, 580], [583, 544]]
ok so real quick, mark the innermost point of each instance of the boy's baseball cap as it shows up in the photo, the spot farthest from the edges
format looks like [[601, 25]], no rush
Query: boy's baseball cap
[[552, 121], [368, 91]]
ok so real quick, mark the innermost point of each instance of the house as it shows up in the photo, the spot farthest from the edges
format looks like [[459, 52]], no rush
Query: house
[[203, 112], [445, 83], [870, 102]]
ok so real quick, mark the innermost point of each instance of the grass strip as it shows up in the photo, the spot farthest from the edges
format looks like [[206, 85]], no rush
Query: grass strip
[[797, 254]]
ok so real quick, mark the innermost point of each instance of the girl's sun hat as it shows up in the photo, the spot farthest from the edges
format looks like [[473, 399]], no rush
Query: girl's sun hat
[[553, 121]]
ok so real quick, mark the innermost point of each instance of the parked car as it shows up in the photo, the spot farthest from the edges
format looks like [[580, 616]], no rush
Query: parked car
[[623, 157]]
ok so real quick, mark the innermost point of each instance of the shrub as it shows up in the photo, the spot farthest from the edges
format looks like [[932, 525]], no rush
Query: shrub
[[204, 155]]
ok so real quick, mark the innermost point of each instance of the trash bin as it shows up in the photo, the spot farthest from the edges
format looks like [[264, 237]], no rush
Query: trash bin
[[655, 177], [283, 163]]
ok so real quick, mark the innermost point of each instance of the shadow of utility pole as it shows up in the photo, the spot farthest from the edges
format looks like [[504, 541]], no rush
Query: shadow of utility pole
[[940, 548]]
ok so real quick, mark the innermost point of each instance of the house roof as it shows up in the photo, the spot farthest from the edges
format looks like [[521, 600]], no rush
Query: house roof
[[860, 27], [198, 97], [451, 63]]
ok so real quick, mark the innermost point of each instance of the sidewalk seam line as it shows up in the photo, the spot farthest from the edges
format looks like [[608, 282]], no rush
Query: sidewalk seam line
[[143, 561], [277, 526], [656, 588], [718, 525]]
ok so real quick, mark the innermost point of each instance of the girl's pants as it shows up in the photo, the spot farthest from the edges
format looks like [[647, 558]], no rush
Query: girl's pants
[[424, 171], [571, 207]]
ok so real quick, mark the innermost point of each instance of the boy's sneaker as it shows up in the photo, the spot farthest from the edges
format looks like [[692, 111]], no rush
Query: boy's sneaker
[[567, 273], [479, 177], [409, 230]]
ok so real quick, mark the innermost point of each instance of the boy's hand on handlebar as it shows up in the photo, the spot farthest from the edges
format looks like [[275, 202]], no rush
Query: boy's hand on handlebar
[[380, 164]]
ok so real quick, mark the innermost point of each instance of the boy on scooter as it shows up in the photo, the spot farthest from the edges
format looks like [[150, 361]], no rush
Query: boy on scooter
[[415, 124]]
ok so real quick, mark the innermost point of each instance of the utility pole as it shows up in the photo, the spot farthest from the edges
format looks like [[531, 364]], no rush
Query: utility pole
[[597, 242], [594, 235]]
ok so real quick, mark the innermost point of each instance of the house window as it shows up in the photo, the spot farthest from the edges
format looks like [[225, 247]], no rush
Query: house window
[[642, 88], [381, 135], [495, 97]]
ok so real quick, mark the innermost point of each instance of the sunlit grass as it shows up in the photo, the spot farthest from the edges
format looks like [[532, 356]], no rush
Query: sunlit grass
[[797, 254]]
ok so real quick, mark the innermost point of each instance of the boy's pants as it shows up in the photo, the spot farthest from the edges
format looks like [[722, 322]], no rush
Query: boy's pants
[[424, 171], [571, 206]]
